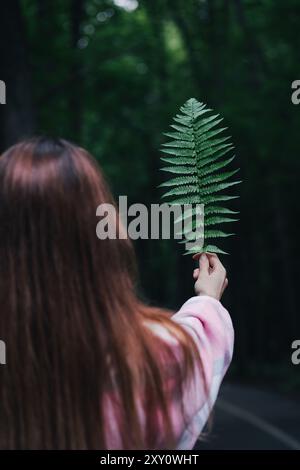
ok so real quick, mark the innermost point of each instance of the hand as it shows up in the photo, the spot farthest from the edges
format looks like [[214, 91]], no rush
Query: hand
[[210, 277]]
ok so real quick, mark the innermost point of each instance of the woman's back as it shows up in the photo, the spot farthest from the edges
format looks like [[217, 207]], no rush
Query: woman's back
[[83, 365]]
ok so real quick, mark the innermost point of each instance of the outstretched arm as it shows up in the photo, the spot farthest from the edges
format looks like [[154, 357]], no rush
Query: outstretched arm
[[210, 326]]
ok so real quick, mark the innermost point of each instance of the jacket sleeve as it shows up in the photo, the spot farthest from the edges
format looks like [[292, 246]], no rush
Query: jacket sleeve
[[210, 326]]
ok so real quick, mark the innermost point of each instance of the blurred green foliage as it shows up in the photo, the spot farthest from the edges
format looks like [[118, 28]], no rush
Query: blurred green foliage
[[111, 77]]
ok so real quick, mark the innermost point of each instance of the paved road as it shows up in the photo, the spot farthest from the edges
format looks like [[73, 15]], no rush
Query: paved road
[[248, 418]]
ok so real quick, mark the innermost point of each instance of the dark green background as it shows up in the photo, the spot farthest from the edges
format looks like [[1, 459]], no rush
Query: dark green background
[[112, 79]]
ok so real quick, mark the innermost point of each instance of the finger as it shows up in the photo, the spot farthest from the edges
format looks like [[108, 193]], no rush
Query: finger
[[196, 273], [203, 263], [210, 257], [215, 263], [225, 284], [196, 256], [213, 258]]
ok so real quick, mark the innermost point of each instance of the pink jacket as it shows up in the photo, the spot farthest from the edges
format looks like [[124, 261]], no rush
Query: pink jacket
[[209, 323]]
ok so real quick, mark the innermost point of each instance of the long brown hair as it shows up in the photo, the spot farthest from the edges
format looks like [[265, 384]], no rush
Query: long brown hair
[[73, 325]]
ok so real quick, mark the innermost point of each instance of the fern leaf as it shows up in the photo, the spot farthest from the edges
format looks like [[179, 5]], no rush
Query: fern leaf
[[219, 210], [183, 170], [180, 180], [179, 136], [194, 199], [209, 221], [183, 152], [182, 129], [217, 178], [205, 249], [196, 153], [216, 150], [209, 144], [212, 168], [181, 190], [216, 187], [208, 123], [183, 144], [179, 160]]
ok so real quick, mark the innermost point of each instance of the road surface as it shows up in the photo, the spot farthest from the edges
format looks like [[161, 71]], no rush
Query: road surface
[[248, 418]]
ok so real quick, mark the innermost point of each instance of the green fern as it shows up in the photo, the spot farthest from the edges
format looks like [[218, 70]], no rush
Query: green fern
[[195, 155]]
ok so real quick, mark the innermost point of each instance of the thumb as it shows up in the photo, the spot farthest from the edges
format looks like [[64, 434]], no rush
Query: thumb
[[203, 264]]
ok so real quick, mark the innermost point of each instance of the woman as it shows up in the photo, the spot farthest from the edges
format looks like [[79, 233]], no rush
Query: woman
[[89, 366]]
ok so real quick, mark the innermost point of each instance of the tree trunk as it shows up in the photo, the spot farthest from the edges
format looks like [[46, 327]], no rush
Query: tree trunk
[[17, 115], [76, 90]]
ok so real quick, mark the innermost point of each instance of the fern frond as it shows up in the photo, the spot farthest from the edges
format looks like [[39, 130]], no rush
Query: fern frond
[[180, 169], [205, 249], [181, 190], [179, 160], [212, 168], [196, 153], [179, 136], [217, 178], [194, 199], [183, 152], [180, 180], [209, 221]]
